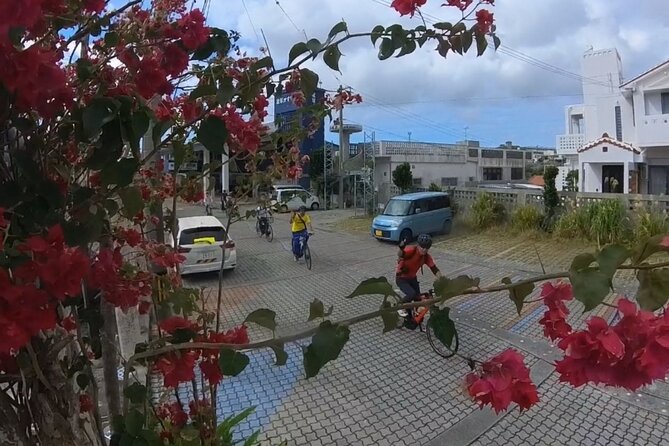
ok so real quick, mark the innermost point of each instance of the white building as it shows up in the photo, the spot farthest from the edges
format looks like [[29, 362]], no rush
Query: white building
[[620, 134]]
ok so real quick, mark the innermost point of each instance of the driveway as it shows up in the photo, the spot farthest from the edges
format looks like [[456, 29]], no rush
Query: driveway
[[392, 389]]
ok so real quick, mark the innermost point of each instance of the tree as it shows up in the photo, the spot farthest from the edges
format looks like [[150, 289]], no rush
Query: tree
[[551, 197], [434, 187], [572, 181], [402, 177], [85, 203]]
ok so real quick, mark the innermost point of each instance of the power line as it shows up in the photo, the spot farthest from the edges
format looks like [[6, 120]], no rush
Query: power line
[[480, 98], [431, 19], [251, 21], [286, 14]]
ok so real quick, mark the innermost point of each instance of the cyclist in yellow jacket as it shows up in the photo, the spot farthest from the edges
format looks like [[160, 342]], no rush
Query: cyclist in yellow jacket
[[300, 221]]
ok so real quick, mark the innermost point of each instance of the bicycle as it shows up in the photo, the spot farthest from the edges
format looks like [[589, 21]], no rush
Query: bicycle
[[269, 232], [421, 315], [304, 247]]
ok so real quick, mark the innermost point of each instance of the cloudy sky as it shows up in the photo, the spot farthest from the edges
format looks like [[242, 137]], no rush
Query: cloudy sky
[[497, 97]]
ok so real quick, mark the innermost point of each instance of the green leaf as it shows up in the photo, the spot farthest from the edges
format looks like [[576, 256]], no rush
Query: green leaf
[[317, 310], [159, 129], [386, 49], [653, 289], [590, 285], [375, 286], [213, 134], [611, 257], [445, 287], [647, 249], [136, 393], [459, 27], [253, 439], [190, 436], [120, 173], [111, 39], [265, 62], [263, 317], [518, 293], [183, 300], [325, 346], [296, 51], [151, 437], [203, 90], [83, 380], [224, 429], [226, 91], [280, 353], [376, 33], [496, 41], [179, 152], [481, 43], [98, 113], [232, 362], [408, 48], [389, 317], [338, 28], [442, 325], [456, 43], [314, 45], [84, 69], [132, 200], [331, 57], [134, 421], [466, 40], [308, 82], [118, 424], [444, 26], [139, 125]]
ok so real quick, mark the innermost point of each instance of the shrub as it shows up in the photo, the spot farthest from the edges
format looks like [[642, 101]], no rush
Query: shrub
[[526, 218], [649, 223], [486, 211], [434, 187], [603, 222]]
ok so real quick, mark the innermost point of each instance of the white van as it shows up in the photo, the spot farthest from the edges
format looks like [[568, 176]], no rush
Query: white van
[[201, 240], [285, 200]]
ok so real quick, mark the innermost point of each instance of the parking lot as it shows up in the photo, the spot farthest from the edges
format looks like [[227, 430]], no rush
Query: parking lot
[[392, 389]]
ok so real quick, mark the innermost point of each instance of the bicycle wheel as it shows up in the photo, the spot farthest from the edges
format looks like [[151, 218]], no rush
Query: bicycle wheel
[[438, 347], [258, 228], [307, 256], [270, 233]]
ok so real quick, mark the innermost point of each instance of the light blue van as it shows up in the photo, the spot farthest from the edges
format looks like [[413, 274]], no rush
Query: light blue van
[[406, 216]]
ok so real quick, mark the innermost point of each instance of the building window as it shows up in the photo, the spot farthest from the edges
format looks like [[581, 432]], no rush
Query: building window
[[494, 153], [664, 97], [619, 123], [516, 173], [449, 181], [417, 181], [605, 149], [492, 173]]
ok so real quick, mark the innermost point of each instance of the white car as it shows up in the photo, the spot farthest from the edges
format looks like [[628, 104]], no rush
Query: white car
[[201, 241], [291, 199]]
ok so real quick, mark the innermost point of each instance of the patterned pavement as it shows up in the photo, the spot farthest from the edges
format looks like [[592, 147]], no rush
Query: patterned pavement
[[392, 389]]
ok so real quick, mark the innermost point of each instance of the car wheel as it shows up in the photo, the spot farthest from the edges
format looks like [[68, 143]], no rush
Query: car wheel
[[446, 228], [407, 235], [314, 206]]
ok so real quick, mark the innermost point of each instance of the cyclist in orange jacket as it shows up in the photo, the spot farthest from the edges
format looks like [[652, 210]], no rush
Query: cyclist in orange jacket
[[410, 260]]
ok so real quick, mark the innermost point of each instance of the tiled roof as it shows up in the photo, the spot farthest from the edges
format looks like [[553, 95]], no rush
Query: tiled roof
[[606, 139]]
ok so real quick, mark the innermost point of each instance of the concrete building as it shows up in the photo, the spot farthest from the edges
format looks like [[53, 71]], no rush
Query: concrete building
[[620, 134], [446, 165]]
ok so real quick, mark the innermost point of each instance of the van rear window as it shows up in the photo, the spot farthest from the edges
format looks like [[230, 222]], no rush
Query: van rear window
[[189, 236]]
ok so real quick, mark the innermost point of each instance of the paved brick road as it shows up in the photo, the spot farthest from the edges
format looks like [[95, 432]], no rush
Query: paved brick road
[[360, 399]]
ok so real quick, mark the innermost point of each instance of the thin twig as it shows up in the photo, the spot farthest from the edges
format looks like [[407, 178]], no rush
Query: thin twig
[[38, 369]]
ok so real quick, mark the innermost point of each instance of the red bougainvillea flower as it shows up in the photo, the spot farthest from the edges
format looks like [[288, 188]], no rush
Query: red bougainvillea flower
[[484, 19], [632, 353], [201, 413], [174, 323], [193, 31], [177, 367], [407, 7], [460, 4], [122, 284], [94, 5], [175, 60], [502, 380], [8, 363], [174, 413], [163, 255], [68, 323], [130, 236], [85, 403], [555, 318], [209, 364]]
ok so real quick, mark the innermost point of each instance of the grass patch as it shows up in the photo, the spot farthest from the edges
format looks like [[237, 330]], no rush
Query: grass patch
[[358, 225]]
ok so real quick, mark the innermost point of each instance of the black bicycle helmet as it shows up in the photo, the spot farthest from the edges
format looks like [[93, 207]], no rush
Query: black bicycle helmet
[[302, 209], [424, 241]]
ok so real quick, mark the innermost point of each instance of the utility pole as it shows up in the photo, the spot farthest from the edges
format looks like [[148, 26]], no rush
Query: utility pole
[[409, 136], [466, 140], [341, 154]]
